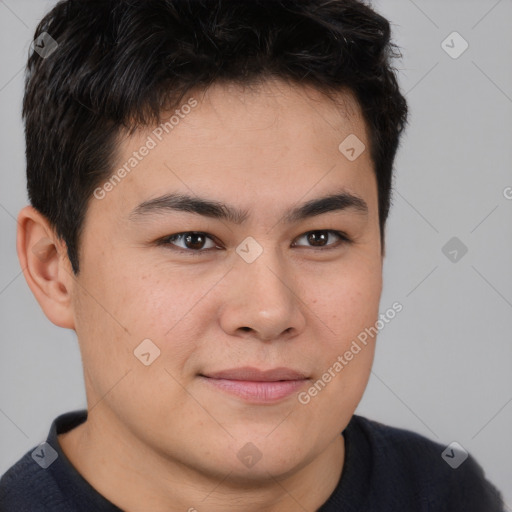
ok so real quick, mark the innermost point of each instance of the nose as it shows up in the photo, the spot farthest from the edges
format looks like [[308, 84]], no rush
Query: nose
[[262, 300]]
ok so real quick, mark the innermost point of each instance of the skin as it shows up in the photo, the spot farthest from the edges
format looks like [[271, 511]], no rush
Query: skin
[[158, 437]]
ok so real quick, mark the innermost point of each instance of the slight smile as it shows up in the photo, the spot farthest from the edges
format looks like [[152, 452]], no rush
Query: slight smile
[[257, 386]]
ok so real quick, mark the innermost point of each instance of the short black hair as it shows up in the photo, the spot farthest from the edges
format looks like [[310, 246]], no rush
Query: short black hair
[[120, 63]]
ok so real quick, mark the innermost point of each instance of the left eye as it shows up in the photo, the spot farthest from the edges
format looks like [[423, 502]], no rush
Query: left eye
[[194, 240], [319, 238]]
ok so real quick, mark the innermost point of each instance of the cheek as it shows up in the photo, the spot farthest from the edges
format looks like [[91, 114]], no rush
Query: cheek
[[115, 314], [347, 300], [348, 306], [161, 306]]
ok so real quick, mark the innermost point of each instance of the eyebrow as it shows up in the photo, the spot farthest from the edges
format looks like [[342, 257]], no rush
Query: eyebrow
[[217, 210]]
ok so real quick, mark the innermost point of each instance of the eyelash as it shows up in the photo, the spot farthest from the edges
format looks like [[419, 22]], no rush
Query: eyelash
[[167, 241]]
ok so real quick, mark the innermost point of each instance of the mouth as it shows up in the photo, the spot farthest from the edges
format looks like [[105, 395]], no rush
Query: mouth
[[257, 386]]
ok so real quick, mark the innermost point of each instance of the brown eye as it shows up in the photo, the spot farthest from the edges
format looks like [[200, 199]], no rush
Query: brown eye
[[191, 241], [194, 241], [320, 238]]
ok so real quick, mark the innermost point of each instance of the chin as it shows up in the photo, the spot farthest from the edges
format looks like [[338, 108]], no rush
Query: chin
[[263, 458]]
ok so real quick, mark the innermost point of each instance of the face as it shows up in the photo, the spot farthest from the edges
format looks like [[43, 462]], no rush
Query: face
[[247, 310]]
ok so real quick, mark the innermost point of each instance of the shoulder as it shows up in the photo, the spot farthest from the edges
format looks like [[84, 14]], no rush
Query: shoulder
[[39, 480], [399, 443], [25, 485], [443, 476]]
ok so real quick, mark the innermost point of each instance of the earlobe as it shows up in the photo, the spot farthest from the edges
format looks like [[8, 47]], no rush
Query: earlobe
[[43, 259]]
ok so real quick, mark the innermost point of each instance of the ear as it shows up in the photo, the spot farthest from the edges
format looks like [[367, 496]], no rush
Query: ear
[[46, 266]]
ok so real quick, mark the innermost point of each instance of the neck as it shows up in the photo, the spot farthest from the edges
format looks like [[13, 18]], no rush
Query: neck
[[131, 475]]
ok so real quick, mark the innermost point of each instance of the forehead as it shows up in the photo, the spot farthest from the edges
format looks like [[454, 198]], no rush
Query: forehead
[[233, 144], [230, 112]]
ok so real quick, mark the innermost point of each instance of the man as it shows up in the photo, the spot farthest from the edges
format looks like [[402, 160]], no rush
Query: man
[[209, 186]]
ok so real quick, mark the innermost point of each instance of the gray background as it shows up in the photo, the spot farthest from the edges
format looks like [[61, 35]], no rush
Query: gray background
[[443, 366]]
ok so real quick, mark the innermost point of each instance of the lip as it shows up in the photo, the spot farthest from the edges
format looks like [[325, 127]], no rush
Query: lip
[[255, 385], [249, 373]]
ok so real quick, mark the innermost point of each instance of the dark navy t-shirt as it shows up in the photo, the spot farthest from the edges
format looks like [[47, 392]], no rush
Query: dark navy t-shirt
[[386, 469]]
